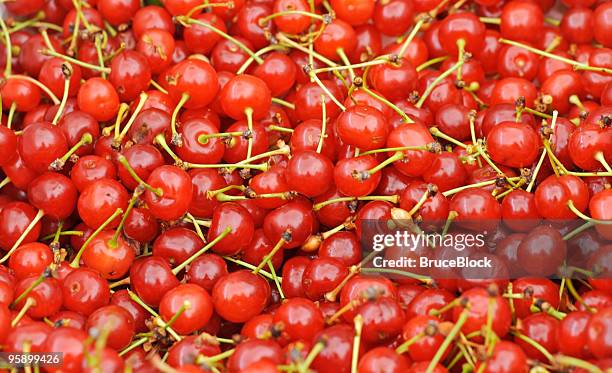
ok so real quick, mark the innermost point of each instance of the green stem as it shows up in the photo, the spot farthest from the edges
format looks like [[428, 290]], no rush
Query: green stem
[[22, 237], [176, 137], [323, 124], [268, 257], [437, 81], [380, 98], [124, 162], [75, 262], [447, 341], [212, 243]]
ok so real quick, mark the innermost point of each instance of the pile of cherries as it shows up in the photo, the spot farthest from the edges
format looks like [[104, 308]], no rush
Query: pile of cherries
[[185, 185]]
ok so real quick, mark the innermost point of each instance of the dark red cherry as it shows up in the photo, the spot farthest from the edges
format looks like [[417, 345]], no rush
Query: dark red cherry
[[233, 218], [363, 127], [151, 278], [519, 212], [542, 251], [30, 259], [177, 244], [293, 222], [84, 291], [53, 193], [122, 299], [554, 193], [252, 352], [15, 217], [480, 302], [309, 173], [206, 270], [40, 144], [513, 144], [321, 276], [541, 328], [477, 209]]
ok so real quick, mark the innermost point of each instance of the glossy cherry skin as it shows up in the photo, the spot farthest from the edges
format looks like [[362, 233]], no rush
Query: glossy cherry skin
[[542, 251], [513, 144], [336, 355], [542, 328], [560, 86], [309, 173], [177, 244], [355, 290], [278, 71], [343, 246], [99, 98], [598, 329], [68, 341], [176, 192], [322, 275], [572, 334], [507, 357], [294, 218], [117, 321], [195, 78], [143, 159], [272, 181], [446, 171], [46, 296], [195, 316], [245, 91], [347, 179], [553, 194], [231, 215], [8, 144], [100, 200], [84, 291], [479, 300], [521, 20], [588, 140], [35, 333], [394, 82], [425, 347], [240, 295], [42, 143], [14, 219], [378, 357], [23, 94], [298, 319], [599, 206], [130, 74], [337, 34], [53, 193], [601, 23], [253, 352], [293, 269], [239, 147], [519, 212], [363, 127], [185, 351], [308, 101], [194, 151], [204, 180], [383, 320], [122, 299], [148, 124], [206, 270], [415, 162], [30, 259], [111, 261], [141, 225], [151, 278], [464, 26], [201, 39], [508, 90], [477, 209]]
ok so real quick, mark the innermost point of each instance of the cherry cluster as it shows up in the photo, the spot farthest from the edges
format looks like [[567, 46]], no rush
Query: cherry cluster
[[188, 185]]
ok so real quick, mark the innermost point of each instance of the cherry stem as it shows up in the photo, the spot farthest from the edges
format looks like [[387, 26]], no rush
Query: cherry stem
[[160, 140], [284, 103], [392, 199], [534, 174], [201, 359], [436, 132], [490, 20], [196, 226], [121, 114], [28, 304], [260, 167], [344, 309], [475, 185], [268, 257], [9, 49], [379, 61], [283, 150], [11, 114], [576, 295], [285, 40], [380, 98], [447, 341], [431, 62], [536, 113], [399, 155], [98, 46], [125, 281], [63, 233], [264, 20], [141, 103], [273, 127], [31, 287], [400, 149], [59, 163], [157, 86], [571, 361], [252, 267], [203, 139], [212, 243], [187, 22], [460, 56], [260, 52], [62, 104], [323, 134], [437, 81], [557, 166], [600, 157], [411, 37], [276, 280], [358, 323], [535, 345], [43, 87], [539, 306], [184, 307], [483, 154], [312, 354], [577, 65], [248, 112], [155, 315], [77, 62], [133, 345], [578, 230], [212, 193], [228, 4], [76, 261], [176, 137], [316, 79], [23, 236], [353, 271], [578, 213], [420, 203], [137, 192], [406, 345], [6, 181], [124, 162]]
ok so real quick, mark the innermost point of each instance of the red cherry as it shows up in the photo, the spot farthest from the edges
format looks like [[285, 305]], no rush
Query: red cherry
[[542, 328], [100, 200], [176, 192], [521, 20], [116, 321], [424, 347], [513, 144], [479, 301], [98, 98], [195, 78], [240, 295], [336, 35], [30, 259], [462, 26], [84, 291], [53, 193], [195, 302], [206, 270], [507, 357], [231, 215], [553, 194], [151, 278], [244, 92], [41, 144], [309, 173], [363, 127]]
